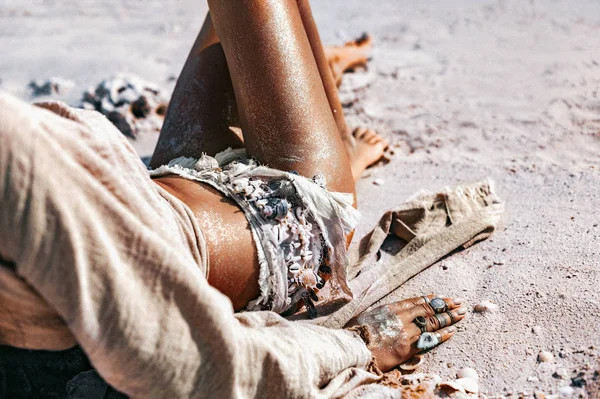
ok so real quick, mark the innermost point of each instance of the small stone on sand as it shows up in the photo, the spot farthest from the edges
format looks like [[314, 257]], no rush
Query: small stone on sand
[[378, 182], [50, 86], [545, 356], [561, 373], [486, 306]]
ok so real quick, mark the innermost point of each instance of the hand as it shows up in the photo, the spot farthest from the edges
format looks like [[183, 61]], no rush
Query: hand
[[392, 335]]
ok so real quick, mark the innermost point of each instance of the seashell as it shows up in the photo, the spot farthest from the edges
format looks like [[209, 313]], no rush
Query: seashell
[[249, 189], [412, 363], [319, 180], [294, 268], [256, 183], [378, 182], [450, 387], [306, 256], [545, 356], [206, 162], [307, 278], [280, 233], [468, 372], [294, 259], [470, 385], [486, 306]]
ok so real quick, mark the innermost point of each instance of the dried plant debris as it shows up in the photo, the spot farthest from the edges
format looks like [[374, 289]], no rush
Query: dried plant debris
[[50, 87], [133, 105]]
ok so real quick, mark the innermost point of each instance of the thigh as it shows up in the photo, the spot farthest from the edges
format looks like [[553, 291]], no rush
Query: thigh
[[284, 111], [201, 110]]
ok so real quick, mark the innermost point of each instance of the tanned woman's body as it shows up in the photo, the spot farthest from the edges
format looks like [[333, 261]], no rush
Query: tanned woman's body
[[261, 65], [258, 65]]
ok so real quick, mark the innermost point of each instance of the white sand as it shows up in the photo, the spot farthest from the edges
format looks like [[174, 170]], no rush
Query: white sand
[[467, 90]]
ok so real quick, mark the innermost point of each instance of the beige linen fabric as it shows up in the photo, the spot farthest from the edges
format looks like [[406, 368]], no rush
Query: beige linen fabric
[[432, 225], [123, 263]]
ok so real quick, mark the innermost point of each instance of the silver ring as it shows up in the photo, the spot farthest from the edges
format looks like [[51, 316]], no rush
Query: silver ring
[[438, 305], [421, 322], [426, 299], [442, 321], [452, 318]]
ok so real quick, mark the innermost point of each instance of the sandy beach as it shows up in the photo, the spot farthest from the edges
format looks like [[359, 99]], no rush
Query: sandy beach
[[463, 90]]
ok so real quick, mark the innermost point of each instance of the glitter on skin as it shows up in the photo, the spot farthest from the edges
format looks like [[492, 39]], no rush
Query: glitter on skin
[[284, 110]]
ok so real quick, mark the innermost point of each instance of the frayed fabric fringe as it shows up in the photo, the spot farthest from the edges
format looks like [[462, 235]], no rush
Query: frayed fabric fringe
[[298, 226]]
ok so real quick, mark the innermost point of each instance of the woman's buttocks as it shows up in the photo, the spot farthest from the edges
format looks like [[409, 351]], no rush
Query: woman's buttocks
[[233, 258]]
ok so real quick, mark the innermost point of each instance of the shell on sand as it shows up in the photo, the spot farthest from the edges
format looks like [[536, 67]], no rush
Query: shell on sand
[[412, 363], [469, 384], [468, 372], [545, 356], [451, 386], [486, 306]]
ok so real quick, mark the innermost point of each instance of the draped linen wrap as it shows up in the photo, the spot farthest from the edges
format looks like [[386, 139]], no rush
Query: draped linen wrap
[[101, 257]]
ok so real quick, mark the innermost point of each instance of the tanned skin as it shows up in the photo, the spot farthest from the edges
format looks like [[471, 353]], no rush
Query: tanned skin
[[259, 65]]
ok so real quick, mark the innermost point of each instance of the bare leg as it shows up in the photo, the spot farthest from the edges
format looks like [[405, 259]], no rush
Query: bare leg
[[363, 146], [206, 109], [190, 130], [284, 111], [202, 107], [329, 83], [349, 56]]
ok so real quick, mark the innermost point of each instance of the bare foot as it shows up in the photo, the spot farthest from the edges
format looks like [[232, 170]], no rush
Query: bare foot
[[368, 148], [349, 56]]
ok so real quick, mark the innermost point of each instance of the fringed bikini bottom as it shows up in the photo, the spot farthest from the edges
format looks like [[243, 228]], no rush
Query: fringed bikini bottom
[[298, 226]]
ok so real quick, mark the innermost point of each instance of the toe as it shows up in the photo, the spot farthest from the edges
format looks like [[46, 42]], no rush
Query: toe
[[359, 132], [375, 138]]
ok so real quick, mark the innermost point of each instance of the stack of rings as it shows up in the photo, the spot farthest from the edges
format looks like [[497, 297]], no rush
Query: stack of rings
[[429, 340]]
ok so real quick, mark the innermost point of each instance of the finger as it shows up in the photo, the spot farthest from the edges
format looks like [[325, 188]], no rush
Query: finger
[[412, 331], [453, 303], [447, 333], [409, 303], [441, 320], [444, 335], [424, 309]]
